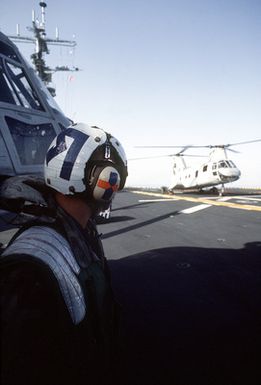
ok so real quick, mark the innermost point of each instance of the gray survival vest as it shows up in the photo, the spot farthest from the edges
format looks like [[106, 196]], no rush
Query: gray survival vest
[[46, 244]]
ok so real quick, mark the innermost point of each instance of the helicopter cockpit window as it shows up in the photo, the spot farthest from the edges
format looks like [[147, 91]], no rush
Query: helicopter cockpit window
[[31, 141], [15, 88], [49, 99], [8, 51], [232, 164], [7, 94], [222, 164]]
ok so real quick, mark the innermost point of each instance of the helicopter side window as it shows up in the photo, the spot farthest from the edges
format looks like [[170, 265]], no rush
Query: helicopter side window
[[20, 88], [205, 168], [214, 168], [31, 140]]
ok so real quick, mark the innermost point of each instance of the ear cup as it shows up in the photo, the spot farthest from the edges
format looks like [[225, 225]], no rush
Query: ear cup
[[105, 183]]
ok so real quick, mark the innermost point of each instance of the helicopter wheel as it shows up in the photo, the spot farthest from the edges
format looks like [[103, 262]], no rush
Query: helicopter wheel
[[214, 191], [164, 190]]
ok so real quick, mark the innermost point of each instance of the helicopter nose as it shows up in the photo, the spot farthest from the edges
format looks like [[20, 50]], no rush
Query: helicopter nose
[[230, 173], [236, 172]]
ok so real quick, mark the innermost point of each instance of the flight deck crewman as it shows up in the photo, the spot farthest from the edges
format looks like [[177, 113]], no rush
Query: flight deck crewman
[[59, 317]]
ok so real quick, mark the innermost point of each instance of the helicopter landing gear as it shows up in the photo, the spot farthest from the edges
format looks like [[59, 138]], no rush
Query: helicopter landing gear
[[221, 191], [164, 190]]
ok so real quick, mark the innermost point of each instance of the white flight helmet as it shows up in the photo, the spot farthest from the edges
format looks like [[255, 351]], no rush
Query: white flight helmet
[[86, 160]]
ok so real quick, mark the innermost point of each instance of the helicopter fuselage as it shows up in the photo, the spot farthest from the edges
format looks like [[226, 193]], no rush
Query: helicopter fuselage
[[29, 116], [209, 174]]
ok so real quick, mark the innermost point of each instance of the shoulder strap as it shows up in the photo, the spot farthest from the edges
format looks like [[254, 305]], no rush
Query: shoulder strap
[[49, 246]]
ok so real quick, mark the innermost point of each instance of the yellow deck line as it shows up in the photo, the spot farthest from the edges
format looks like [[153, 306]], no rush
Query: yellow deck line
[[201, 200]]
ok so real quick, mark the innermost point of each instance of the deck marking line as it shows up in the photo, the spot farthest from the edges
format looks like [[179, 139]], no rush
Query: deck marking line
[[194, 209], [252, 198], [202, 200], [153, 200]]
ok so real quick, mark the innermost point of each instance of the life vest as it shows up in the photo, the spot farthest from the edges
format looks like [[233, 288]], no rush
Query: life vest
[[46, 244]]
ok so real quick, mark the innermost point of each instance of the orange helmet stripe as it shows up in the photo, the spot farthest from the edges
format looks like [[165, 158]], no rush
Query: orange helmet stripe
[[106, 185]]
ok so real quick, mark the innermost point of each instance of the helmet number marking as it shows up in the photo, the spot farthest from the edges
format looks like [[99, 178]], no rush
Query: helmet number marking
[[75, 147]]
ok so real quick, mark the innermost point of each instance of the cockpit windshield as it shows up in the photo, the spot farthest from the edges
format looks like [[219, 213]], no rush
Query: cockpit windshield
[[15, 87], [49, 99], [8, 51], [226, 164], [222, 164], [232, 163]]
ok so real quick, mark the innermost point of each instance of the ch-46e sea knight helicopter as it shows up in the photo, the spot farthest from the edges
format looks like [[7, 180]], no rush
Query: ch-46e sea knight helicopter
[[29, 120], [29, 116], [219, 169]]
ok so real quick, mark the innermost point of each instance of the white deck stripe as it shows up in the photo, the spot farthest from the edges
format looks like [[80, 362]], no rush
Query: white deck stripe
[[223, 199], [193, 209], [153, 200], [258, 199]]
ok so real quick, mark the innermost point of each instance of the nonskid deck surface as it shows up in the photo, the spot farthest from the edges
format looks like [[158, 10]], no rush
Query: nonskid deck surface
[[186, 270], [187, 273]]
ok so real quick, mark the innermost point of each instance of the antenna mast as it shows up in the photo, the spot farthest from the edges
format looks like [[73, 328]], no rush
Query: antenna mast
[[41, 42]]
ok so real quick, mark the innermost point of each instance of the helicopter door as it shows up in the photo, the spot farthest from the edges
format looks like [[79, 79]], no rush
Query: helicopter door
[[214, 168]]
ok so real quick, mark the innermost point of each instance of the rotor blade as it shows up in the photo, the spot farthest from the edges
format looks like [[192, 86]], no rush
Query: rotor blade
[[204, 146], [182, 150], [159, 146], [169, 155], [230, 149], [150, 157], [195, 156], [248, 141], [187, 146]]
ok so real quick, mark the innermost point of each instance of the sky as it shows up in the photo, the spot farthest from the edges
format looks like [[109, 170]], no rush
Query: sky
[[158, 72]]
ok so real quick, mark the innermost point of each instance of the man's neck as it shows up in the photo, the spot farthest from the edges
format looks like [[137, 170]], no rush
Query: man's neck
[[75, 207]]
